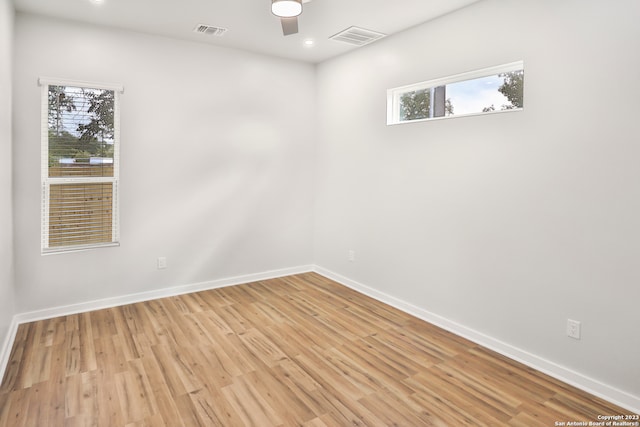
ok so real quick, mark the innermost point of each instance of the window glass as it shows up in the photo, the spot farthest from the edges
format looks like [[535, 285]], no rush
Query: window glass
[[80, 157], [80, 131], [497, 92], [489, 90]]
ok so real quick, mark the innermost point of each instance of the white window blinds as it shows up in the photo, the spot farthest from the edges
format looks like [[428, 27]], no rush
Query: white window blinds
[[80, 165]]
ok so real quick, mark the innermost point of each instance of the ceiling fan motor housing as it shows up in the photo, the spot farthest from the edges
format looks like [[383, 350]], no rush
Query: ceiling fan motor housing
[[286, 8]]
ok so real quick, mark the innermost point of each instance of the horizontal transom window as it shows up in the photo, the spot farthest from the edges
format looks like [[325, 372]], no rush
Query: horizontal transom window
[[489, 90]]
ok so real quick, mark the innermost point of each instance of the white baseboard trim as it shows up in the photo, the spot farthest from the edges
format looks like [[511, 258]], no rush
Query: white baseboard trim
[[564, 374], [48, 313], [7, 345], [67, 310]]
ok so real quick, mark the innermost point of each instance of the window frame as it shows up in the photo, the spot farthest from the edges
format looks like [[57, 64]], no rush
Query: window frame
[[47, 181], [394, 94]]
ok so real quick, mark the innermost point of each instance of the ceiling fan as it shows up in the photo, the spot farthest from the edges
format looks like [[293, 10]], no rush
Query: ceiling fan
[[288, 11]]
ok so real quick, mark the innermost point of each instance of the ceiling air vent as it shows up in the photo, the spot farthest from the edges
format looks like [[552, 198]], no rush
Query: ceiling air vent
[[357, 36], [209, 30]]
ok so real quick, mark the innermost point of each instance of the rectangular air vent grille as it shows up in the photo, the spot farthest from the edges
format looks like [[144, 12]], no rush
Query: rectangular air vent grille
[[357, 36], [209, 30]]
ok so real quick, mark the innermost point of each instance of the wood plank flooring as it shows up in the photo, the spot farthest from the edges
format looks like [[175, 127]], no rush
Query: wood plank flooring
[[295, 351]]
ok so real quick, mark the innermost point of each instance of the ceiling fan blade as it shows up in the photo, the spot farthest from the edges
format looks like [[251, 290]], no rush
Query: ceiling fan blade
[[289, 25]]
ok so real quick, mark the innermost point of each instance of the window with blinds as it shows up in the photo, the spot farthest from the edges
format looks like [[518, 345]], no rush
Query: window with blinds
[[80, 162]]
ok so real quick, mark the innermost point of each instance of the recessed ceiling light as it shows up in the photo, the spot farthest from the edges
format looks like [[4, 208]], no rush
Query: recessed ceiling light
[[97, 1], [309, 42]]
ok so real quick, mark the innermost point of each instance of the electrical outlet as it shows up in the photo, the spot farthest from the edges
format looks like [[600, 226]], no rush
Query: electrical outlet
[[162, 263], [573, 329], [351, 255]]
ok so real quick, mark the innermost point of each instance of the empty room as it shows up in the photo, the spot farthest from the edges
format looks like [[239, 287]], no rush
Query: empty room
[[319, 213]]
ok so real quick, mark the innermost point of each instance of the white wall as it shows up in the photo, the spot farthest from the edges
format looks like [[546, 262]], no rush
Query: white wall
[[508, 224], [216, 169], [7, 309]]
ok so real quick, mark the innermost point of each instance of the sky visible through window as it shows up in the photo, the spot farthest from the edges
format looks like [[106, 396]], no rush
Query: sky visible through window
[[75, 110], [80, 124], [472, 96], [494, 89]]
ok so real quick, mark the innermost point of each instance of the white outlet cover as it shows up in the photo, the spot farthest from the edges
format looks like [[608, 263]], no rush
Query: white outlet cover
[[573, 329]]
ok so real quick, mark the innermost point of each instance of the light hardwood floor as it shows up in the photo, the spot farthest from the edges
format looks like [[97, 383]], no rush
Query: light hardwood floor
[[296, 351]]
